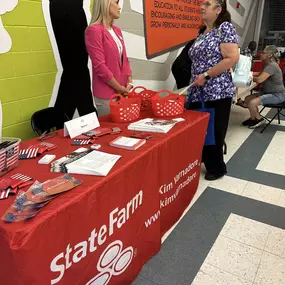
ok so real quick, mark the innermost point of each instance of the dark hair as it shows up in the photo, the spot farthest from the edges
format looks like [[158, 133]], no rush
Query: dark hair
[[224, 16], [252, 46]]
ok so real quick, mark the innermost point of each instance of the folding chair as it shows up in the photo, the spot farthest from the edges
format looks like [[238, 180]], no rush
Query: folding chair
[[43, 121], [278, 108]]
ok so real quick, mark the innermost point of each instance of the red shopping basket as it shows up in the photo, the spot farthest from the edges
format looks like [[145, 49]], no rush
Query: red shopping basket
[[145, 96], [124, 109], [169, 106]]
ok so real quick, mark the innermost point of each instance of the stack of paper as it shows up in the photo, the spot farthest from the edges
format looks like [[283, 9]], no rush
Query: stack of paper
[[85, 161], [127, 143], [60, 164], [93, 163], [152, 125]]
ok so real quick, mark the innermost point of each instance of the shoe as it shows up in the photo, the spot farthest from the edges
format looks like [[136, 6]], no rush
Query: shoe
[[256, 123], [212, 177], [248, 122]]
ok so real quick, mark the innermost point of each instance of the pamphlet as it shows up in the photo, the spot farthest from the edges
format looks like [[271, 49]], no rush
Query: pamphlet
[[94, 163], [127, 143], [152, 125], [28, 204]]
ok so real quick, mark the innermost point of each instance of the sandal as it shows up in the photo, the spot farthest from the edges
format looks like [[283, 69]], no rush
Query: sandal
[[241, 103]]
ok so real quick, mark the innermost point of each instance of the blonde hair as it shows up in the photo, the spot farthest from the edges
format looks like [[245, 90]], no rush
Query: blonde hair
[[100, 12]]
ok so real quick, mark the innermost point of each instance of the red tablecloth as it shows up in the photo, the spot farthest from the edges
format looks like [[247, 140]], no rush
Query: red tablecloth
[[106, 229]]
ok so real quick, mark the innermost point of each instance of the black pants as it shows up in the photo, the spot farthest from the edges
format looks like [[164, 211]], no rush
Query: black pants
[[213, 156], [69, 24]]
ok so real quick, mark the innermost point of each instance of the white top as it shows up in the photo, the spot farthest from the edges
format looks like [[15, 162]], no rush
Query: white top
[[117, 41]]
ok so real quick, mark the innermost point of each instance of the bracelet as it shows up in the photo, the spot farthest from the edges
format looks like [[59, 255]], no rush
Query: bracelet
[[130, 83]]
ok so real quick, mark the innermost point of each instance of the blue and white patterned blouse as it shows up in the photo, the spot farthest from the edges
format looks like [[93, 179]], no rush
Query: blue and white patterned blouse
[[205, 53]]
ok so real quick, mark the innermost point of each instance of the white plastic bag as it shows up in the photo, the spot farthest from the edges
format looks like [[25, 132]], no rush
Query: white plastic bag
[[242, 75]]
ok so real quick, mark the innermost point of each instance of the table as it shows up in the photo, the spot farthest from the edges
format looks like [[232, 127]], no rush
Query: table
[[105, 230]]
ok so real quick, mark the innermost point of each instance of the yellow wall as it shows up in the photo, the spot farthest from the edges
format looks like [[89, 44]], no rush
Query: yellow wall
[[27, 71]]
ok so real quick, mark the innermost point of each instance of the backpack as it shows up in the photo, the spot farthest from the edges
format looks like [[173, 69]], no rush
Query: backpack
[[181, 67]]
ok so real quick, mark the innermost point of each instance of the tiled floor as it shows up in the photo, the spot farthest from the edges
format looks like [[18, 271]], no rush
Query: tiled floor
[[273, 160], [233, 232], [245, 253]]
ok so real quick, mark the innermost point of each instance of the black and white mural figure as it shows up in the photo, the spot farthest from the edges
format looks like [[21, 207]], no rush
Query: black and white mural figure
[[66, 21]]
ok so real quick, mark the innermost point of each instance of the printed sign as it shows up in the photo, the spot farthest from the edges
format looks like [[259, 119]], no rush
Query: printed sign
[[170, 23]]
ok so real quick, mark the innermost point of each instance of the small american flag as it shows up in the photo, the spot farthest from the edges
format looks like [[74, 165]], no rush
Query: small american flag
[[80, 142], [28, 153], [4, 194], [50, 146], [8, 158]]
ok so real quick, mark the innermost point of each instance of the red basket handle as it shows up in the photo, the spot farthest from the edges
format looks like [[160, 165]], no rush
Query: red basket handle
[[173, 97], [169, 97], [119, 97], [138, 87], [164, 91]]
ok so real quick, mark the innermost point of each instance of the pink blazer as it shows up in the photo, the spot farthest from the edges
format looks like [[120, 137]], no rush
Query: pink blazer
[[106, 61]]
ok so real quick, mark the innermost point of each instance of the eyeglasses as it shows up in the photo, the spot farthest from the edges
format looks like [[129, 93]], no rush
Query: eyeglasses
[[205, 4], [208, 4]]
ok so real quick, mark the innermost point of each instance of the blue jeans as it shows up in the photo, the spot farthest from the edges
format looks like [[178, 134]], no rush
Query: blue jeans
[[274, 98]]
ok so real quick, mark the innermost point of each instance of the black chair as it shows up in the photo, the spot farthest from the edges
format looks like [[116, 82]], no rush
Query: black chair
[[47, 120], [278, 109]]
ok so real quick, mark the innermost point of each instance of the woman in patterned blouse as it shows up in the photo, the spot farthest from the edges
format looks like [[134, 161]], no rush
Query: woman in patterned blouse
[[213, 54]]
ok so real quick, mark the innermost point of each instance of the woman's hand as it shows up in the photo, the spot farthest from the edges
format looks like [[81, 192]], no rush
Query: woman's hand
[[129, 87], [200, 80], [123, 90]]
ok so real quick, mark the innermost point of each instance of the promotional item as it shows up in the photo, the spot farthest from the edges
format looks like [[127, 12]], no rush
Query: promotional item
[[152, 125], [124, 110], [95, 146], [47, 159], [9, 151], [144, 94], [12, 184], [169, 105], [127, 143], [29, 204]]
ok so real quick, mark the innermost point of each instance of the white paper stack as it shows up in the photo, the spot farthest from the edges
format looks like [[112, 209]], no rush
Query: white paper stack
[[127, 143], [94, 163], [152, 125]]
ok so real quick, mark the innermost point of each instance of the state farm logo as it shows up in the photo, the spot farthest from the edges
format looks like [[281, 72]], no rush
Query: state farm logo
[[112, 262]]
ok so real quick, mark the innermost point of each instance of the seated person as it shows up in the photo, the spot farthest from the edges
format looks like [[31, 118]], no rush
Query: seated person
[[250, 49], [273, 90]]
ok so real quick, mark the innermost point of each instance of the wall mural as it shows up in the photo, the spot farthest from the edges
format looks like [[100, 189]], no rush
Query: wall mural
[[66, 23], [5, 39]]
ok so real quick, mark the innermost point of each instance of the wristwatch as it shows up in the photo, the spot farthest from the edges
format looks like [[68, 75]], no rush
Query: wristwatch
[[206, 75], [130, 83]]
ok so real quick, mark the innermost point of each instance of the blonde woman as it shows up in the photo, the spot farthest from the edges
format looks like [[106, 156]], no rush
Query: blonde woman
[[106, 48]]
